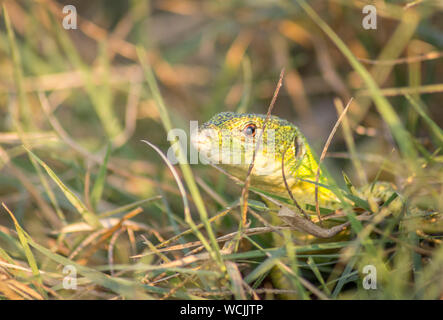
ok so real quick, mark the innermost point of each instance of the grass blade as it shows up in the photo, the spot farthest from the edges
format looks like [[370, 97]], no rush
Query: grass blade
[[97, 189], [89, 217], [436, 130], [29, 255], [383, 106], [184, 165], [24, 113]]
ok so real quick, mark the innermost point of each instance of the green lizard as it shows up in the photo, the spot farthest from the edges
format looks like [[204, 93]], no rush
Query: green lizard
[[284, 174], [230, 139]]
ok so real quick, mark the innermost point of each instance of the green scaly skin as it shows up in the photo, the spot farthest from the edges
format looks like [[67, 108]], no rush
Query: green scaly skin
[[226, 135], [227, 129]]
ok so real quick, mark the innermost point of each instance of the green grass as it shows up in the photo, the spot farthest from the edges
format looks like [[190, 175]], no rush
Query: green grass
[[78, 186]]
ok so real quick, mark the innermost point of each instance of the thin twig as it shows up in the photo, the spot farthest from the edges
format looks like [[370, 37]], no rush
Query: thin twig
[[287, 187], [226, 237], [199, 226], [130, 116], [257, 146], [424, 57], [111, 249], [323, 154]]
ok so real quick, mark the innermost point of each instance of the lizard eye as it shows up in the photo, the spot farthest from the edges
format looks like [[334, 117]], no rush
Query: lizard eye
[[250, 130]]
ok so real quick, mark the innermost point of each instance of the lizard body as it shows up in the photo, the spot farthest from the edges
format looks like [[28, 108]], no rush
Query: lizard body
[[230, 139]]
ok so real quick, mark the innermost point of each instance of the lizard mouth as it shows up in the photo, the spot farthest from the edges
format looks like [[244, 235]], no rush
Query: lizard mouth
[[206, 142], [203, 139]]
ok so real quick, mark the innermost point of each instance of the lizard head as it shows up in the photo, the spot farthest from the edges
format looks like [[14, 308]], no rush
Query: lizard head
[[230, 140]]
